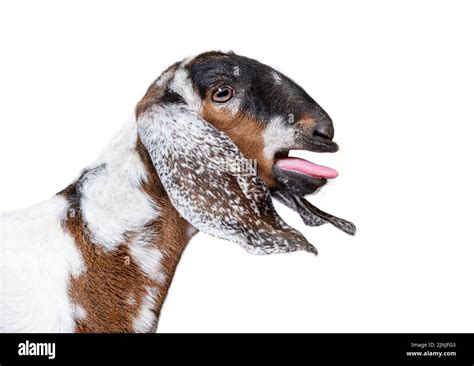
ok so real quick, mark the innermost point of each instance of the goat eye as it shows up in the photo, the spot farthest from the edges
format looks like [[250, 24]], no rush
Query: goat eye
[[223, 94]]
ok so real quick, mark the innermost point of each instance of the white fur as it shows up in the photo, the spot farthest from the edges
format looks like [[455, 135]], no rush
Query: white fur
[[148, 257], [277, 135], [164, 78], [112, 201], [276, 77], [146, 318], [37, 260], [181, 84], [79, 313]]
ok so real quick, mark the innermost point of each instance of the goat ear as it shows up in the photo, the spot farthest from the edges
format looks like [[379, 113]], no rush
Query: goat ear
[[211, 184]]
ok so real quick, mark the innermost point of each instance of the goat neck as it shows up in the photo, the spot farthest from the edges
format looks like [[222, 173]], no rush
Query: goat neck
[[130, 238]]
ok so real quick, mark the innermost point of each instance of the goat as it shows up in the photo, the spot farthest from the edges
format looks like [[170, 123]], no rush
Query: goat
[[100, 255]]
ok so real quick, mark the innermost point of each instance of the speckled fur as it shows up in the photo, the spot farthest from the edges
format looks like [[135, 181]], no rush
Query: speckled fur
[[189, 155]]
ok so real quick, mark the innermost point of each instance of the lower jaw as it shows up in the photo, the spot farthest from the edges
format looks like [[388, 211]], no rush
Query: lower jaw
[[297, 183]]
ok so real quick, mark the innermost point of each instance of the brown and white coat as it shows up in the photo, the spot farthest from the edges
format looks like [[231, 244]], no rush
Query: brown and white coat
[[101, 254]]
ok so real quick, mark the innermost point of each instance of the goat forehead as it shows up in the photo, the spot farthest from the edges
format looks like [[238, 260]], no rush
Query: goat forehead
[[207, 68], [265, 93]]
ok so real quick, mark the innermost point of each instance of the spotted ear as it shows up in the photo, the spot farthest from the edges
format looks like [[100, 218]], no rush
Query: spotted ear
[[211, 184]]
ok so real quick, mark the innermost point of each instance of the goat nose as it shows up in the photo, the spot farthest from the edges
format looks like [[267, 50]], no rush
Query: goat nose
[[324, 128]]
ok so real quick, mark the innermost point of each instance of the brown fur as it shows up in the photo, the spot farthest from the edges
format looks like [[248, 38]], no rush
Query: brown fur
[[103, 290], [150, 98], [247, 133], [153, 94], [112, 278], [207, 56], [306, 123], [173, 229]]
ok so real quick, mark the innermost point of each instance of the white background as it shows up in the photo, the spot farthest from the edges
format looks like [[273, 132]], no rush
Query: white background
[[397, 78]]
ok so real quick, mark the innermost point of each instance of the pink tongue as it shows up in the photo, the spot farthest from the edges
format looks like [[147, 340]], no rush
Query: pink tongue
[[306, 167]]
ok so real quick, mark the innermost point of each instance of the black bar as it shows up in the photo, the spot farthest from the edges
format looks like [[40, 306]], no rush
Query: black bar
[[294, 349]]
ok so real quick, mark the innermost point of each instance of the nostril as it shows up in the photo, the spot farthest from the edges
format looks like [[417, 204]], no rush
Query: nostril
[[324, 129]]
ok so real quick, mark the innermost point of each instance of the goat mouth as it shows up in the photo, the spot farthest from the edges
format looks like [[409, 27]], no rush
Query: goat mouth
[[298, 175], [285, 162]]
